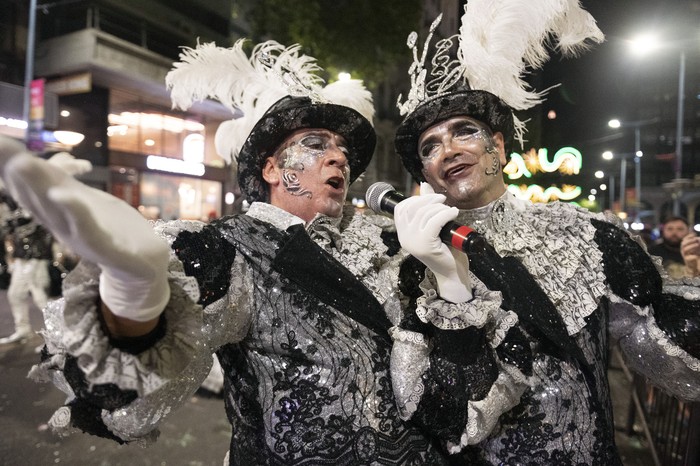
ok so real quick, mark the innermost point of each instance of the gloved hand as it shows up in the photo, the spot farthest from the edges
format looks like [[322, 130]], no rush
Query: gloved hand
[[68, 163], [418, 222], [96, 226]]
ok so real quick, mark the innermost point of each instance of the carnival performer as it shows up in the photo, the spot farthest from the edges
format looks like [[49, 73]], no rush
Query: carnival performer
[[31, 254], [588, 283], [296, 297]]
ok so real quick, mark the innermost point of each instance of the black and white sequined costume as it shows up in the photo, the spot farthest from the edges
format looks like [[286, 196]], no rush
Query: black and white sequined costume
[[31, 254], [303, 342], [605, 288]]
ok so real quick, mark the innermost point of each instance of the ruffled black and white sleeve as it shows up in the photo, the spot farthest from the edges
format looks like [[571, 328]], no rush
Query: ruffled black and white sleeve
[[655, 319], [457, 367], [122, 389]]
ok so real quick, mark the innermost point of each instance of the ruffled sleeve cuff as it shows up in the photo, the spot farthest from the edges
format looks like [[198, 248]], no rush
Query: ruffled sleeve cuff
[[74, 333], [456, 316], [483, 414]]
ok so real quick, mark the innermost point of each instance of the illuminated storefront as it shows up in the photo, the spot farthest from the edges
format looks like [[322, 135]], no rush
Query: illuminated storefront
[[164, 163]]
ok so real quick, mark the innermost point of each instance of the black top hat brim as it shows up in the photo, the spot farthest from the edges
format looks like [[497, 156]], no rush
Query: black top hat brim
[[477, 104], [294, 113]]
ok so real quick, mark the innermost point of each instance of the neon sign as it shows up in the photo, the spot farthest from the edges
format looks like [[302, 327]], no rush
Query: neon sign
[[567, 161]]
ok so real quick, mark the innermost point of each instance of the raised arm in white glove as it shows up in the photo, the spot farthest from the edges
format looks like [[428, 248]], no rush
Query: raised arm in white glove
[[419, 220], [97, 226]]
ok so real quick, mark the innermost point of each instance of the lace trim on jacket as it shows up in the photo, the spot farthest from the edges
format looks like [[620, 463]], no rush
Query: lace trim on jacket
[[554, 242]]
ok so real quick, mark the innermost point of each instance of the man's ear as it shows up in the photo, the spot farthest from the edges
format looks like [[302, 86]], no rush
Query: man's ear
[[500, 145], [270, 173]]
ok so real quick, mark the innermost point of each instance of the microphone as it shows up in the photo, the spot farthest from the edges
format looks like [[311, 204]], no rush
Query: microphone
[[382, 197]]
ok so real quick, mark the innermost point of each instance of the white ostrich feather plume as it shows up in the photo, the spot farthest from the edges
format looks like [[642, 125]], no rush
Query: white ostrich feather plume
[[350, 93], [246, 84], [500, 39]]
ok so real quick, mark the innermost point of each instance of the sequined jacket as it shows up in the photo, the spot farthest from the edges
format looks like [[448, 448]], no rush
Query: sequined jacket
[[29, 239], [605, 289], [303, 342]]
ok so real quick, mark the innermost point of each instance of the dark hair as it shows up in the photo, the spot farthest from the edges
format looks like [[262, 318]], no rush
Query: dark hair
[[676, 218]]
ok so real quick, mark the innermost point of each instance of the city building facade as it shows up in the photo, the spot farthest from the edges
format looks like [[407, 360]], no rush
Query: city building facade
[[103, 65]]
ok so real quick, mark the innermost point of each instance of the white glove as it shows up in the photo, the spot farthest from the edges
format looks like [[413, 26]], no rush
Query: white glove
[[97, 226], [68, 163], [419, 220]]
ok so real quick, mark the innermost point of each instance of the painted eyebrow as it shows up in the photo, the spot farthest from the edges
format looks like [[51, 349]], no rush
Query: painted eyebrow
[[341, 140], [433, 138]]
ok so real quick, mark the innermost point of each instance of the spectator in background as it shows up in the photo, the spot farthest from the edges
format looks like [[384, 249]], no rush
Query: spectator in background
[[31, 254], [690, 250], [669, 246]]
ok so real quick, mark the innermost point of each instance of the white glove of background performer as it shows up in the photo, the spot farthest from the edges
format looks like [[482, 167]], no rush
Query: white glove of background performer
[[419, 220], [97, 226]]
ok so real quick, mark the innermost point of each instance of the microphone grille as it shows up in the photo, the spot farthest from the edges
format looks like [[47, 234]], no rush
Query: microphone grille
[[375, 193]]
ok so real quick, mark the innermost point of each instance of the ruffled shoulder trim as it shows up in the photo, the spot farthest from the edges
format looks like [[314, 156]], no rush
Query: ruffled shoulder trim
[[555, 242]]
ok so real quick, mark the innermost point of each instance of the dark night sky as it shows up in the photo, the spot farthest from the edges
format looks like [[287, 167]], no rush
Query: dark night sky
[[606, 81]]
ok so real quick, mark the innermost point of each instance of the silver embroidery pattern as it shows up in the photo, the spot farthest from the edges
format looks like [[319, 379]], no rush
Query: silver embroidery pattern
[[540, 235]]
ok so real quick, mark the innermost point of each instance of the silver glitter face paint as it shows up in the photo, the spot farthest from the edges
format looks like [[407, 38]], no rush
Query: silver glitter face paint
[[298, 156], [495, 168], [464, 132], [461, 133], [301, 154], [290, 180], [295, 159]]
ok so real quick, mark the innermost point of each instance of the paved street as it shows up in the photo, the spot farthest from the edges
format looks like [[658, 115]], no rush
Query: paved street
[[197, 435]]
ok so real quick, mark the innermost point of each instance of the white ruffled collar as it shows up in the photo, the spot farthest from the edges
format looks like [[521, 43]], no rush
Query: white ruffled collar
[[499, 214]]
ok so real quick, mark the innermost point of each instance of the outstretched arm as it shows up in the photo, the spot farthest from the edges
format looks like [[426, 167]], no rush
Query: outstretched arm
[[100, 228]]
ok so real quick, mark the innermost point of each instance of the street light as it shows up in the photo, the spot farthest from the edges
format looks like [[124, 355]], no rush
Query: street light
[[637, 154], [641, 45], [29, 65]]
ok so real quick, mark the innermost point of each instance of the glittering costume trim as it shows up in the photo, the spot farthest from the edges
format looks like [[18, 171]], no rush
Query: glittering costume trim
[[553, 241], [73, 330], [448, 316]]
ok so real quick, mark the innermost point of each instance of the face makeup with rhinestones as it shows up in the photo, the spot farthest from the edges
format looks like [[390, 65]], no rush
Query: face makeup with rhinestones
[[463, 160], [309, 173]]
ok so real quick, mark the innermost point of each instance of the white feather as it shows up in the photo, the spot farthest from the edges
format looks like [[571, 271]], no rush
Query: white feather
[[500, 39], [248, 84], [351, 93]]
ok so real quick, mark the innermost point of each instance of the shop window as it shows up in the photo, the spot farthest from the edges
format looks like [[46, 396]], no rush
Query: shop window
[[153, 134], [178, 197]]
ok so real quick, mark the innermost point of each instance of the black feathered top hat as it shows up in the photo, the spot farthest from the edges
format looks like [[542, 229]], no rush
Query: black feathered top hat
[[478, 72], [278, 92]]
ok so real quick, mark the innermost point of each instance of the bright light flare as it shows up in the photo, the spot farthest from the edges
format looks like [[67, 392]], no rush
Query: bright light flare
[[644, 44], [607, 155]]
